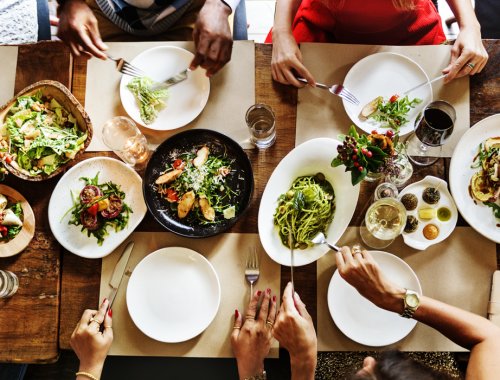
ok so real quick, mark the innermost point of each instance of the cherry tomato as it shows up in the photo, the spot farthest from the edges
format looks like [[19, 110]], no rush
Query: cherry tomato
[[114, 208], [172, 196], [89, 221], [4, 231], [8, 158], [394, 98], [179, 164], [92, 210], [374, 132], [89, 192], [389, 134]]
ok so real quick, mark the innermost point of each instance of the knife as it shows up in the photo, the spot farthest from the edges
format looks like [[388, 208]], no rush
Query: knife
[[177, 78], [423, 84], [117, 276]]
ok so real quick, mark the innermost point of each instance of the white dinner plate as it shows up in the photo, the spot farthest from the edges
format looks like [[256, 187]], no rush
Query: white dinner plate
[[417, 239], [309, 158], [70, 236], [385, 74], [185, 100], [362, 321], [479, 216], [173, 294]]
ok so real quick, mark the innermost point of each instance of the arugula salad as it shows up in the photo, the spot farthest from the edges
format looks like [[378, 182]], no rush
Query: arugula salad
[[39, 135], [391, 113], [195, 185], [150, 101], [11, 215], [99, 206]]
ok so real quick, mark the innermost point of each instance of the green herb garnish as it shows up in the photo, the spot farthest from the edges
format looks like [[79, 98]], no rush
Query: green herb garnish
[[392, 113]]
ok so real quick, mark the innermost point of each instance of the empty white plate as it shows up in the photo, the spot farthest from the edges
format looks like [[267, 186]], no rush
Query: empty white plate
[[185, 100], [362, 321], [385, 74], [173, 294]]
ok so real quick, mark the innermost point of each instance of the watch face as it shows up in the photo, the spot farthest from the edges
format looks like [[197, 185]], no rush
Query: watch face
[[412, 300]]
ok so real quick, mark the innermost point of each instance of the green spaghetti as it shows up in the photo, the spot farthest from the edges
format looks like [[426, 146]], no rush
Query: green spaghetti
[[306, 209]]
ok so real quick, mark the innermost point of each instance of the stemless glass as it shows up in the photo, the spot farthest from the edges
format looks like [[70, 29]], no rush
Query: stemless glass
[[9, 284], [384, 220], [260, 120], [122, 136], [433, 127]]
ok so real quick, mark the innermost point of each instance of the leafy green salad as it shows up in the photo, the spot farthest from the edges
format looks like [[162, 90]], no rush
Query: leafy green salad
[[11, 215], [149, 100], [99, 206], [39, 135]]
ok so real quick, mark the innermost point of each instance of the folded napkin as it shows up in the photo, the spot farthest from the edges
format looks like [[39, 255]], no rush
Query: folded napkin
[[8, 65], [494, 304]]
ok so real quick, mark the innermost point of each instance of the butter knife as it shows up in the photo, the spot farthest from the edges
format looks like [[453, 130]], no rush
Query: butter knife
[[423, 84], [177, 78], [118, 272]]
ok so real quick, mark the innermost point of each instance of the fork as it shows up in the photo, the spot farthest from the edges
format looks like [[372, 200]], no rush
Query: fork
[[336, 89], [127, 68], [321, 239], [252, 271]]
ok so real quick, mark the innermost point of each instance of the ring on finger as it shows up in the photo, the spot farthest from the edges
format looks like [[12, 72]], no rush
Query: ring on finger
[[94, 320], [237, 328], [356, 249], [270, 324], [250, 318], [471, 65]]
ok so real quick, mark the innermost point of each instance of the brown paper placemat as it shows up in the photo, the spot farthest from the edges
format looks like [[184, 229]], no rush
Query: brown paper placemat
[[227, 253], [232, 91], [321, 115], [457, 271], [8, 65]]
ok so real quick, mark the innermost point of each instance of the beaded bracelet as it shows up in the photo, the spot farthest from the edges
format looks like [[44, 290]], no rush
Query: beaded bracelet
[[86, 374]]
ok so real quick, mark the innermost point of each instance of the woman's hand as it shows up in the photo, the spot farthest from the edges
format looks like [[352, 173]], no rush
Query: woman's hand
[[79, 30], [286, 62], [89, 343], [252, 334], [468, 55], [362, 272], [294, 330]]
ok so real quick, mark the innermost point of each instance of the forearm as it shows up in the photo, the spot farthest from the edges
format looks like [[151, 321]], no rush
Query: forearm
[[303, 368], [464, 13], [93, 369], [284, 15]]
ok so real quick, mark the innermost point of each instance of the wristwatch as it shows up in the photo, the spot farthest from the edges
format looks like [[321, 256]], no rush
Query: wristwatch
[[411, 303], [260, 376]]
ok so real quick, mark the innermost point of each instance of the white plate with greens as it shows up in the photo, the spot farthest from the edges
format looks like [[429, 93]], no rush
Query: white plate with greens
[[185, 100], [385, 74], [312, 157], [362, 321], [70, 185]]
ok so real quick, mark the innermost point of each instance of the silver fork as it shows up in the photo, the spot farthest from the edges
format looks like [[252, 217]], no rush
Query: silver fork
[[336, 89], [127, 68], [252, 271]]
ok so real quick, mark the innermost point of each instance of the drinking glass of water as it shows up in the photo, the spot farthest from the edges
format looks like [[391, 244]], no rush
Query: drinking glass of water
[[260, 120], [122, 136], [9, 284], [432, 128]]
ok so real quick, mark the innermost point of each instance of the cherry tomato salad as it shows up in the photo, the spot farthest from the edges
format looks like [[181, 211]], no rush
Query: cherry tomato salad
[[11, 215], [99, 206]]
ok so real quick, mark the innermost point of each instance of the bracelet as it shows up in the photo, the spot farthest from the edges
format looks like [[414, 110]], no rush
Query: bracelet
[[261, 376], [86, 374]]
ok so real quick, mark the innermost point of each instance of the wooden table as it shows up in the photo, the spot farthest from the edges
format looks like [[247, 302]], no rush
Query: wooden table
[[56, 286]]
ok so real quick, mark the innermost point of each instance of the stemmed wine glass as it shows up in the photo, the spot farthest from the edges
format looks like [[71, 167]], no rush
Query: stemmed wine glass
[[433, 127]]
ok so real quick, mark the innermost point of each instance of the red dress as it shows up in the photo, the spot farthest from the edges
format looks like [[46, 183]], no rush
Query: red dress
[[371, 22]]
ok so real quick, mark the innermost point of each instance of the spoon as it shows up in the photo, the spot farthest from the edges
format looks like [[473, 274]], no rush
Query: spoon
[[320, 239]]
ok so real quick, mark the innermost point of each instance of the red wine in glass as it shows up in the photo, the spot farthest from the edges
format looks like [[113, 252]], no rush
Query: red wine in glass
[[436, 124]]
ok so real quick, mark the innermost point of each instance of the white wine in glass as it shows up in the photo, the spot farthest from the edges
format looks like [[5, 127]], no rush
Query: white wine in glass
[[384, 221]]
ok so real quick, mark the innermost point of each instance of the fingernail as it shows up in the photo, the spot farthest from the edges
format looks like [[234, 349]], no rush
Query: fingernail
[[274, 298], [103, 301], [259, 293], [110, 312], [268, 290], [236, 314]]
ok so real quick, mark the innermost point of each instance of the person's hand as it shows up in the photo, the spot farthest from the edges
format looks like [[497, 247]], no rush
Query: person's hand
[[286, 62], [89, 343], [294, 329], [212, 37], [251, 337], [363, 273], [468, 55], [78, 29]]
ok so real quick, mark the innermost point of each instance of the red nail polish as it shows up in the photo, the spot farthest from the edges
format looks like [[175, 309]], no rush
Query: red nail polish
[[104, 300], [268, 290], [274, 298], [236, 314], [259, 293], [110, 312]]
